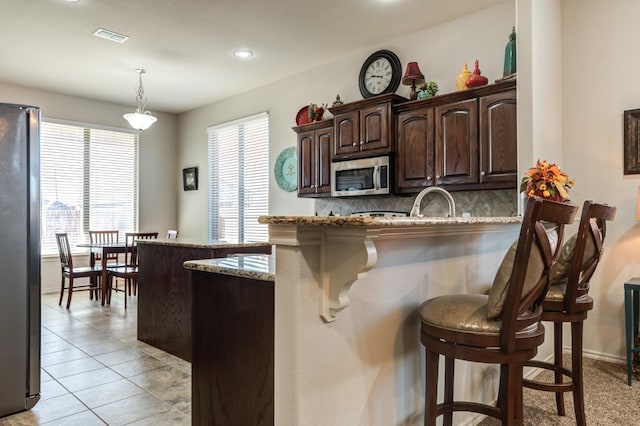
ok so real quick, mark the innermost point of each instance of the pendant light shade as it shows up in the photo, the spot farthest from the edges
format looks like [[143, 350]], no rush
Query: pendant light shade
[[141, 119]]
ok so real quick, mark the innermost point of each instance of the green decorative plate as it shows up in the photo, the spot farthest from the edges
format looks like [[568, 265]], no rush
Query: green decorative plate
[[286, 169]]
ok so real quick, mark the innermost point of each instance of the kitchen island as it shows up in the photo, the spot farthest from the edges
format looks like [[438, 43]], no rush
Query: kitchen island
[[346, 343], [233, 338], [164, 288]]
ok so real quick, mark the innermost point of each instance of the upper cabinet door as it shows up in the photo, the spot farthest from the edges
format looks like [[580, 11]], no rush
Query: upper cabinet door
[[347, 132], [374, 128], [324, 140], [415, 150], [306, 163], [456, 145], [499, 138]]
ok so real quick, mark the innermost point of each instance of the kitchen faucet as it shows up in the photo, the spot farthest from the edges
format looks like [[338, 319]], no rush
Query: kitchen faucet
[[415, 211]]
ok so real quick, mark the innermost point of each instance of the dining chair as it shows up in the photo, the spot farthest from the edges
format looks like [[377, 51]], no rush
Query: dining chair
[[71, 272], [568, 301], [128, 272], [500, 328]]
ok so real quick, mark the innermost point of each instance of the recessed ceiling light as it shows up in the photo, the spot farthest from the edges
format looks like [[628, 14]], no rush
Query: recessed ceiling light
[[243, 53]]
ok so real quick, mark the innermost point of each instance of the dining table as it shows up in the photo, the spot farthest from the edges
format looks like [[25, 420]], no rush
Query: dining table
[[103, 249]]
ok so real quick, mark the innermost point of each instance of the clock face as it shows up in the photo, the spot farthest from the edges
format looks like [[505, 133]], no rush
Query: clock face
[[380, 74]]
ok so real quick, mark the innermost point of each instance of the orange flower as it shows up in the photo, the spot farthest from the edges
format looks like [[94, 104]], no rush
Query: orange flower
[[546, 180]]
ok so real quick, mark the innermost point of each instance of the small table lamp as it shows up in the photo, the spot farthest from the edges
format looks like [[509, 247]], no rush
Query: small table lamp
[[412, 77]]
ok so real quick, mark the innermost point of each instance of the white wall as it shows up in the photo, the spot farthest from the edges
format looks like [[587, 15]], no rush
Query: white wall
[[599, 68], [440, 52], [158, 169]]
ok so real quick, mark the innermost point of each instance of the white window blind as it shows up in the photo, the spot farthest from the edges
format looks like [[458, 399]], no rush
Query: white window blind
[[89, 182], [239, 179]]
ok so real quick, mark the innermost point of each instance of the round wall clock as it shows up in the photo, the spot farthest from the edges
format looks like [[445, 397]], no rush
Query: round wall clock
[[286, 169], [380, 74]]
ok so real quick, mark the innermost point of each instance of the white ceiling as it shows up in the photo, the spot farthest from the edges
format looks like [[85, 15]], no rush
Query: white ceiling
[[187, 46]]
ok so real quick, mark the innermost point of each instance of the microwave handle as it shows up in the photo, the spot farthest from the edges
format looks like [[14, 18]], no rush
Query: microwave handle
[[376, 177]]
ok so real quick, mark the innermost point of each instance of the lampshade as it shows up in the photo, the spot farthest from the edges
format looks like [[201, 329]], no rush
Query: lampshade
[[141, 119], [413, 76]]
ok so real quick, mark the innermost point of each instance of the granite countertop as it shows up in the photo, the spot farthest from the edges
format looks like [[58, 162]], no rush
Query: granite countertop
[[258, 267], [200, 243], [384, 221]]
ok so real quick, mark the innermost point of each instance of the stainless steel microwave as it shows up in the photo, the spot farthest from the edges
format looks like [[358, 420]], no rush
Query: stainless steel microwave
[[364, 176]]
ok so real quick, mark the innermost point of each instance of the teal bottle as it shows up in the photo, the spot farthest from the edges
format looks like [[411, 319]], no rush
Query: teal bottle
[[510, 55]]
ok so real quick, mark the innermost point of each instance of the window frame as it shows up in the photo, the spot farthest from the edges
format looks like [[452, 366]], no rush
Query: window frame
[[213, 195], [86, 199]]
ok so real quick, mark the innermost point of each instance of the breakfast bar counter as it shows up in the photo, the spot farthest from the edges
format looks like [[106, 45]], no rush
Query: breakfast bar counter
[[347, 289], [164, 288]]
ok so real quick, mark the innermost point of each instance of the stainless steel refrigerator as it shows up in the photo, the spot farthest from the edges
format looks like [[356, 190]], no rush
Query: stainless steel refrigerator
[[19, 258]]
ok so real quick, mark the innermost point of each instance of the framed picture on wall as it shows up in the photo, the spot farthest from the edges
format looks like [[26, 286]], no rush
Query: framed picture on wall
[[190, 178], [632, 142]]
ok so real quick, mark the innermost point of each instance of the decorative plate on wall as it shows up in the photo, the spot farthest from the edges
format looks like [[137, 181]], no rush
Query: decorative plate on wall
[[286, 169]]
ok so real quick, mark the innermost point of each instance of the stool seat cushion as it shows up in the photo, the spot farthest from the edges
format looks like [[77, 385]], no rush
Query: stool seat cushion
[[460, 312], [500, 286]]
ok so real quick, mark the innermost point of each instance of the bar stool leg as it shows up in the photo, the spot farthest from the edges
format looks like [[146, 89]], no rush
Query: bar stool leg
[[576, 372], [557, 354]]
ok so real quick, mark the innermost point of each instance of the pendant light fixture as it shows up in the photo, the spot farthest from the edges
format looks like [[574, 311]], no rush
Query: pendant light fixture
[[141, 119]]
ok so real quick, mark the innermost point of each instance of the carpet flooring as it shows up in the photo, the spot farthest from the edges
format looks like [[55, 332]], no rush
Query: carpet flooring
[[609, 400]]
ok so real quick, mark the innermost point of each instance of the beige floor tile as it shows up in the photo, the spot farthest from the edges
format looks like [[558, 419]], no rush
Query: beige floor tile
[[173, 417], [108, 393], [138, 366], [89, 379], [118, 357], [47, 348], [73, 367], [59, 357], [110, 345], [85, 418], [131, 409], [51, 389], [47, 410]]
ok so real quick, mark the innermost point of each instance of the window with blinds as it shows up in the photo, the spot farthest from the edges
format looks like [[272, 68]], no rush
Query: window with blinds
[[239, 179], [89, 182]]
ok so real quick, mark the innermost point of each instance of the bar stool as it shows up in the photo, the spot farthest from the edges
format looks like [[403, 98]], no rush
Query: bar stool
[[500, 328], [631, 309], [568, 301]]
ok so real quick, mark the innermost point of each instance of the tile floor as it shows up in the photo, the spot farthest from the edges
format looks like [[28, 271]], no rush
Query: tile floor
[[95, 371]]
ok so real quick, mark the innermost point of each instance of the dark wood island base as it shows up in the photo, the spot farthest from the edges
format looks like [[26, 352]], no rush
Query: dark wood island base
[[164, 289], [233, 342]]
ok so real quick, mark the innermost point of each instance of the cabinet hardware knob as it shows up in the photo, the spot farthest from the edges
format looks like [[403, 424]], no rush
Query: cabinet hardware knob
[[437, 176], [482, 173], [428, 177], [354, 144], [361, 142]]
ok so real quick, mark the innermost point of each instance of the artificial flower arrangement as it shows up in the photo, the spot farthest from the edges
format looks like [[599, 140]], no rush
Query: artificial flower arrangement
[[546, 180]]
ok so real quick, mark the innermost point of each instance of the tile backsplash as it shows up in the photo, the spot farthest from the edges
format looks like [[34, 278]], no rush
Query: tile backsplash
[[490, 203]]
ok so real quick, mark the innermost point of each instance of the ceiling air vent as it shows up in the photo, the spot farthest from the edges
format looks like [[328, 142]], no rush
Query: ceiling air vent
[[110, 35]]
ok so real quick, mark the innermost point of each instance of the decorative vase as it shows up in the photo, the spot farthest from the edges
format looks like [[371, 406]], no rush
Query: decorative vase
[[476, 79], [510, 55], [461, 79]]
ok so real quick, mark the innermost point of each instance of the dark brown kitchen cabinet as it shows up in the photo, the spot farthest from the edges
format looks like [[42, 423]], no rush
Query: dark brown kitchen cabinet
[[456, 143], [462, 141], [364, 128], [314, 158], [498, 138], [415, 164]]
